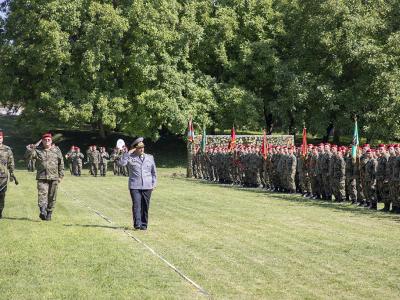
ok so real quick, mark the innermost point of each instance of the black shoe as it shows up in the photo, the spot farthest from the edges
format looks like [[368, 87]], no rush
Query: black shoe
[[48, 216], [143, 227], [366, 204], [43, 213], [1, 214], [361, 203]]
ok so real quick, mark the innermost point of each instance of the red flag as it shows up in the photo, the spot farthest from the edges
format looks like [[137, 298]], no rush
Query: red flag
[[232, 143], [264, 147], [304, 146], [190, 134]]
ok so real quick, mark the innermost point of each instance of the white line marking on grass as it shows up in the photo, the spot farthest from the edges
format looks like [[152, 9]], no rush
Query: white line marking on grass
[[185, 277]]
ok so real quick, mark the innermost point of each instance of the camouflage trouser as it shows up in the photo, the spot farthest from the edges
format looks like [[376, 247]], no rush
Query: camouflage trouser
[[103, 169], [351, 189], [291, 184], [77, 168], [3, 189], [47, 193], [116, 169], [370, 190], [307, 183], [94, 168], [360, 190], [326, 186], [394, 193], [316, 185], [382, 191], [339, 189]]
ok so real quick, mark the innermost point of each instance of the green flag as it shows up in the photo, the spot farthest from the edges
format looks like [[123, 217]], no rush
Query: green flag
[[203, 141], [356, 141]]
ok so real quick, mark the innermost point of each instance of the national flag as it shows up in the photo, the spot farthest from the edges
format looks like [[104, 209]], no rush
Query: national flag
[[203, 141], [190, 135], [232, 143], [304, 146], [356, 141], [264, 147]]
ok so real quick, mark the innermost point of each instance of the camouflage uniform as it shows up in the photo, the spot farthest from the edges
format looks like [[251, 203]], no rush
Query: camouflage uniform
[[77, 159], [29, 161], [6, 166], [338, 177], [50, 169], [351, 190], [104, 157], [291, 163], [314, 176], [370, 182], [382, 181], [94, 160]]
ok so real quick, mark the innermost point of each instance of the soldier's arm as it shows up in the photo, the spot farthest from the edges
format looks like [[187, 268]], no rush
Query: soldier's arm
[[60, 166], [10, 162]]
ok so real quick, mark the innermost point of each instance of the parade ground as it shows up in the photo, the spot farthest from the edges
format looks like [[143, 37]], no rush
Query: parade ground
[[230, 242]]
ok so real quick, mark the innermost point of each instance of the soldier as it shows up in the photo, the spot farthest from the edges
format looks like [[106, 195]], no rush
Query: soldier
[[115, 158], [394, 162], [314, 174], [338, 176], [291, 163], [94, 160], [68, 158], [351, 190], [326, 181], [104, 157], [77, 160], [382, 179], [6, 168], [50, 171], [370, 180]]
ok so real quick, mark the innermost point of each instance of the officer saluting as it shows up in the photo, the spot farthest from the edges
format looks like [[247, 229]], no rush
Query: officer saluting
[[142, 181], [50, 171]]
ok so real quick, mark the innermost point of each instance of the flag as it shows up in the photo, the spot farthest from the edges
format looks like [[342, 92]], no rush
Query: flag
[[356, 142], [232, 143], [190, 135], [203, 141], [264, 147], [304, 146]]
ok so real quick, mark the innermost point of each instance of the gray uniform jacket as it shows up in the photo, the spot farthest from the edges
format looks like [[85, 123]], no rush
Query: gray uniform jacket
[[142, 174]]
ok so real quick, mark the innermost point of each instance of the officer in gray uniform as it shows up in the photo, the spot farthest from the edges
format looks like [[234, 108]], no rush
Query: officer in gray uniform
[[142, 181]]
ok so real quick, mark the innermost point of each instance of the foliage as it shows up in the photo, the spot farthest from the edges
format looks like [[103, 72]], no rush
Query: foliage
[[145, 67]]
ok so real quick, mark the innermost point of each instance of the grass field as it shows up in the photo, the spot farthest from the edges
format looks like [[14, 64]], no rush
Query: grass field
[[234, 243]]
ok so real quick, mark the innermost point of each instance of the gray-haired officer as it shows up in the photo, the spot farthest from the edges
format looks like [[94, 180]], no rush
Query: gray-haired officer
[[142, 180]]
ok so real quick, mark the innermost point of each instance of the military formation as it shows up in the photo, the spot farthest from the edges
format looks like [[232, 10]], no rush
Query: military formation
[[321, 172]]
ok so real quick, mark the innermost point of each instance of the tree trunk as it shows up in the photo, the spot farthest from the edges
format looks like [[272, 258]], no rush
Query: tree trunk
[[269, 121], [102, 130]]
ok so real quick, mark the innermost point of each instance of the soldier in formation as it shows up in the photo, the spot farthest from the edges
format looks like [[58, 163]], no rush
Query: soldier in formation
[[326, 172]]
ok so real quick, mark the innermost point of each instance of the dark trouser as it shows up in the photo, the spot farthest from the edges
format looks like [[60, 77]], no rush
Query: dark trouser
[[140, 207], [3, 189], [2, 199]]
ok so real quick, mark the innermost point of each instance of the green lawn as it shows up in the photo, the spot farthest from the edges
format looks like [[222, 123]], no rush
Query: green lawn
[[234, 243]]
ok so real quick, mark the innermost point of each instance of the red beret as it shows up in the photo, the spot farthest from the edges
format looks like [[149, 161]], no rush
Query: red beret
[[366, 146], [47, 135]]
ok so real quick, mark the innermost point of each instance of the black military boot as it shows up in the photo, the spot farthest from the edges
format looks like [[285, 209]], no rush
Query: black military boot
[[361, 202], [366, 204], [386, 207], [43, 213], [394, 210], [1, 213], [48, 216]]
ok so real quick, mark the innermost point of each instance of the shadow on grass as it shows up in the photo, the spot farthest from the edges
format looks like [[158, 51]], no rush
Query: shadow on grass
[[95, 226], [342, 207], [21, 219]]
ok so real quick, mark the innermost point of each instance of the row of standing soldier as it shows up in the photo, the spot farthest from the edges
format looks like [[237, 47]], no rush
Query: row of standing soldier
[[97, 161], [324, 172]]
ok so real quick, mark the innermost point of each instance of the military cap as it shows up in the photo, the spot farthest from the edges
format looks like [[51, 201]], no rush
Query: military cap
[[138, 143]]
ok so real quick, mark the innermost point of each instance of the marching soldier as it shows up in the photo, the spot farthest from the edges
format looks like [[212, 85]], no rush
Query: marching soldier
[[50, 171], [94, 160], [77, 160], [104, 157], [382, 180], [6, 169]]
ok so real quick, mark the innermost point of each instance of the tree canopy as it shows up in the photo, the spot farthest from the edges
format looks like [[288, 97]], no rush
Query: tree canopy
[[145, 67]]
